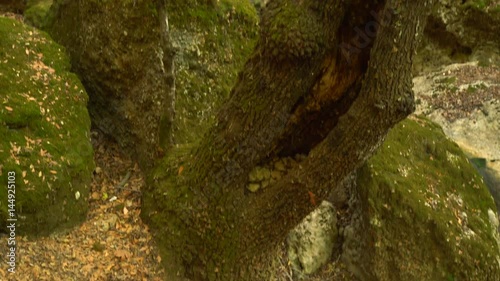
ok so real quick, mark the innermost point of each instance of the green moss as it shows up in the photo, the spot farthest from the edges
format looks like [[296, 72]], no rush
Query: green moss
[[220, 39], [44, 129], [447, 80], [168, 205], [478, 4], [161, 203], [419, 185], [474, 88], [488, 7], [36, 11], [484, 63], [471, 89]]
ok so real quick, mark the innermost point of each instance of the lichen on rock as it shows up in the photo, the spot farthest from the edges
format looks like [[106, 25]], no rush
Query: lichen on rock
[[310, 244], [460, 31]]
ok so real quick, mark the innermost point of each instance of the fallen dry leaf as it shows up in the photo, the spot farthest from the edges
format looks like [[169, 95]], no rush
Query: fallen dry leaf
[[122, 254]]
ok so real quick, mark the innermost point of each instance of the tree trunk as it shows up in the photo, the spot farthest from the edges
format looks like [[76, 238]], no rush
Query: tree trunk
[[327, 79]]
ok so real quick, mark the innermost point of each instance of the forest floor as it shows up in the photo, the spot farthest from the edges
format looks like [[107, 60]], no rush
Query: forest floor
[[112, 244]]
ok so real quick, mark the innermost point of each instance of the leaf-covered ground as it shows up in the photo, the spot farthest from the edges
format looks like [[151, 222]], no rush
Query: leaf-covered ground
[[112, 244]]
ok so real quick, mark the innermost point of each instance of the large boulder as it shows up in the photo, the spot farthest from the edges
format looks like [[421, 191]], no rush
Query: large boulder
[[45, 148], [464, 99], [36, 11], [426, 213], [121, 51], [459, 31], [212, 43]]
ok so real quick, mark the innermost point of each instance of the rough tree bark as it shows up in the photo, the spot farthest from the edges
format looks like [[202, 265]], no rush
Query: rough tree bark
[[327, 79]]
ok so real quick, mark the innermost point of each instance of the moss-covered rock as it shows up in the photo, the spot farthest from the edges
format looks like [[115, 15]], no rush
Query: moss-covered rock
[[464, 99], [121, 51], [428, 209], [44, 132], [212, 44], [460, 31], [36, 11]]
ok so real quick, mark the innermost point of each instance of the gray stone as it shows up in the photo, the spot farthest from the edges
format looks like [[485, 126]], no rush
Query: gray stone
[[311, 243]]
